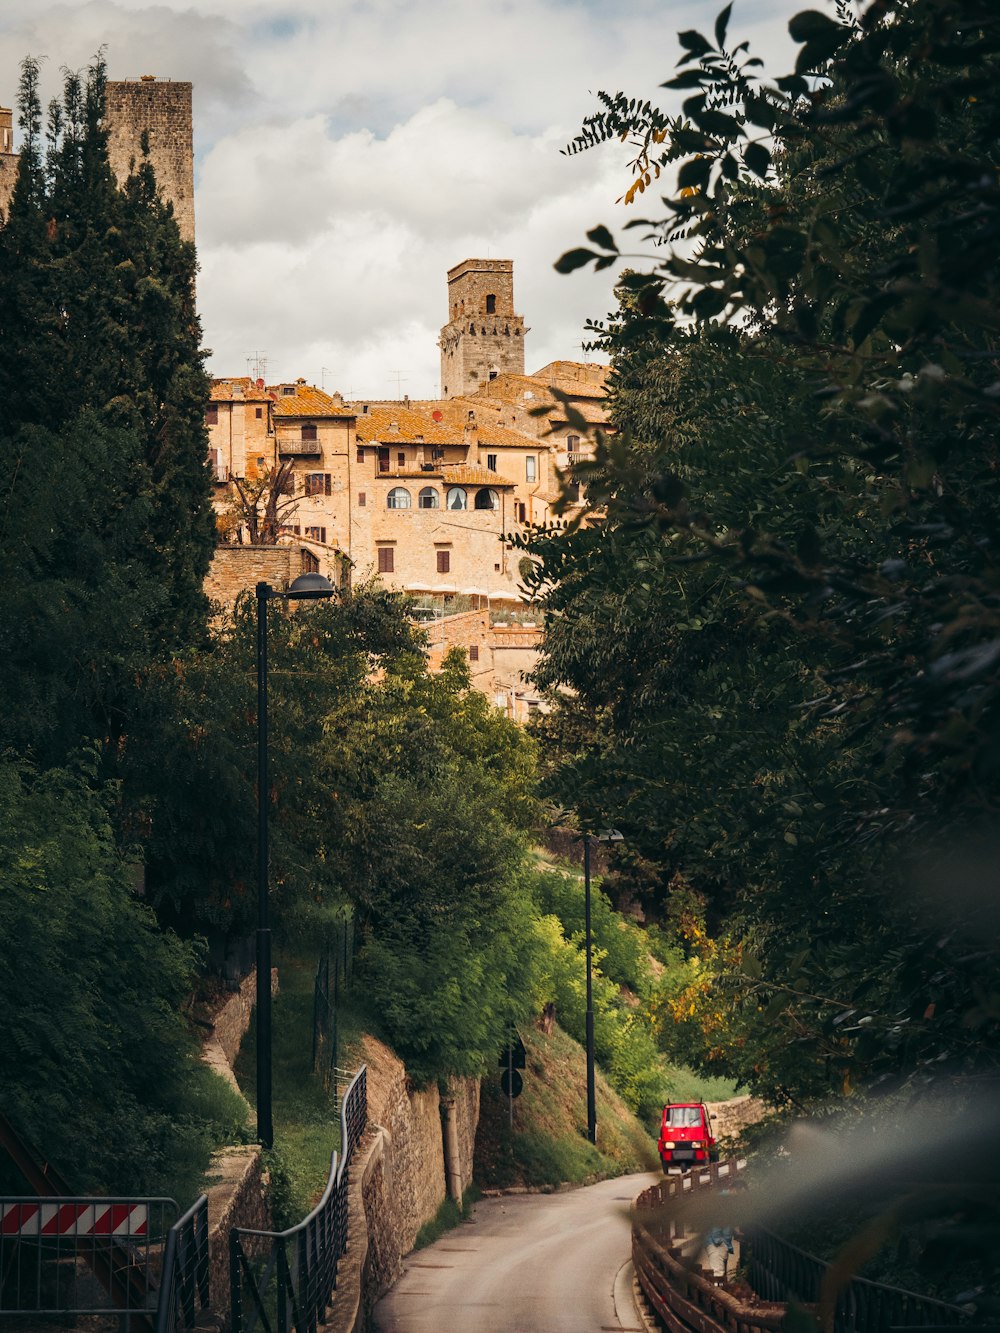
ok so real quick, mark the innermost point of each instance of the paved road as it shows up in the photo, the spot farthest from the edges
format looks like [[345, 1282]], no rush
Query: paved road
[[525, 1263]]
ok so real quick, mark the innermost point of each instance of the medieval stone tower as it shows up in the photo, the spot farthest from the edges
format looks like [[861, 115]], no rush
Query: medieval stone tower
[[160, 109], [483, 337]]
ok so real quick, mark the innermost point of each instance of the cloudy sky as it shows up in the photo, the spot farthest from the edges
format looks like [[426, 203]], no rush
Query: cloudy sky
[[349, 152]]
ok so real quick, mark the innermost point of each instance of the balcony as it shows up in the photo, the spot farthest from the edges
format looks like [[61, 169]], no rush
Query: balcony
[[299, 449]]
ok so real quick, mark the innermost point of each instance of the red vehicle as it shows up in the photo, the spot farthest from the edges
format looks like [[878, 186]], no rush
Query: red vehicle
[[686, 1136]]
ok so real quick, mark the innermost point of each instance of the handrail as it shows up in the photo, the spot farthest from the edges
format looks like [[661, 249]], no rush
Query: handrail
[[184, 1282], [302, 1260], [778, 1271]]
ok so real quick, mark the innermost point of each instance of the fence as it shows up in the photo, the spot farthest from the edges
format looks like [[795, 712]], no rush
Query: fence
[[778, 1272], [334, 972], [285, 1280], [184, 1280], [70, 1254]]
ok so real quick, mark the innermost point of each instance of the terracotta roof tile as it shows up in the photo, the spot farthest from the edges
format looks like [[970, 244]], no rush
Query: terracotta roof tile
[[234, 388], [376, 426], [468, 474], [306, 401]]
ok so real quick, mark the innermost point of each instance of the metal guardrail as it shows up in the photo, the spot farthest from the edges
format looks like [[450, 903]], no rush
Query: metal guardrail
[[286, 1279], [184, 1286], [778, 1272], [73, 1254]]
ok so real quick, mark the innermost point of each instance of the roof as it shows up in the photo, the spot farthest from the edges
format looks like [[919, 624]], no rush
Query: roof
[[306, 401], [237, 387], [455, 412], [468, 474], [400, 424]]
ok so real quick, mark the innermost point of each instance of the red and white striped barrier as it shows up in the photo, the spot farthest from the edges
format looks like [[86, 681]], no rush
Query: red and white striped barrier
[[73, 1219]]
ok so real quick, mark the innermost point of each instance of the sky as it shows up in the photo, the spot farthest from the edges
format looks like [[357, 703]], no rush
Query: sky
[[349, 152]]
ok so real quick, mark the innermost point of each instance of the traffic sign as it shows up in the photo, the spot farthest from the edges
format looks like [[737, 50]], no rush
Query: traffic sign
[[511, 1082]]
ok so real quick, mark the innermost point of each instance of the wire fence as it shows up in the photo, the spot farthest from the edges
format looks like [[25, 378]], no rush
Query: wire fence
[[333, 976]]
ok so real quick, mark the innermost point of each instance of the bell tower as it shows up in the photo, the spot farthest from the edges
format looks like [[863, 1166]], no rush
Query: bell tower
[[483, 337]]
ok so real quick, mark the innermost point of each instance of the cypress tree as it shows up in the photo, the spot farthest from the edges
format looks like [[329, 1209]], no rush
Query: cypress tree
[[106, 525]]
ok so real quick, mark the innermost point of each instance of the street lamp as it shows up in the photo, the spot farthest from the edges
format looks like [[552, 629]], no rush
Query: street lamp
[[606, 835], [307, 587]]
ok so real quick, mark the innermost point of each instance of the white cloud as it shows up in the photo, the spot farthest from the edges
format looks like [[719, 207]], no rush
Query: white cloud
[[349, 152]]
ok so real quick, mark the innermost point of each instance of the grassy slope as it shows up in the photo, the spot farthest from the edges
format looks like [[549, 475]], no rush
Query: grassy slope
[[549, 1145]]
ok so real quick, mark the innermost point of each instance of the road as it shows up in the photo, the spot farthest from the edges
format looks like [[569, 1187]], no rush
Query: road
[[525, 1263]]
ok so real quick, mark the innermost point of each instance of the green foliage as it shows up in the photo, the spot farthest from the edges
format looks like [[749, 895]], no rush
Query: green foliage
[[781, 638], [106, 512], [97, 1067]]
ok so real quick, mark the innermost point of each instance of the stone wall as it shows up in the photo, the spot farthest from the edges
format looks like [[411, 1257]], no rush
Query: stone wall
[[160, 109], [404, 1175], [235, 569], [732, 1117], [237, 1198]]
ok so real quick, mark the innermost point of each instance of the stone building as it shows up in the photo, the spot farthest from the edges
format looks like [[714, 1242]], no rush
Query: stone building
[[483, 337], [160, 109]]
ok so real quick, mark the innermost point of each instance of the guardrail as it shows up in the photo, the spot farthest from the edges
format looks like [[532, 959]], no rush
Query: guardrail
[[184, 1283], [688, 1298], [286, 1279]]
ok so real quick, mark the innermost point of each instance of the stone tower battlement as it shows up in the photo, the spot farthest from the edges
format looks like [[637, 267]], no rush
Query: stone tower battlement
[[161, 109], [484, 337]]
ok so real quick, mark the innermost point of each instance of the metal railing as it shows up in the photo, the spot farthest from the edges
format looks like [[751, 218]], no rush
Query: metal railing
[[778, 1272], [184, 1285], [83, 1255], [336, 966], [285, 1280]]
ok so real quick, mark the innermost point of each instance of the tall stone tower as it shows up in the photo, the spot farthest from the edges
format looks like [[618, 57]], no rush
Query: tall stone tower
[[8, 161], [161, 109], [483, 337]]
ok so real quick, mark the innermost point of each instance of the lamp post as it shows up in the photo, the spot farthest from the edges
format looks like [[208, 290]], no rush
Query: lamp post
[[305, 588], [606, 835]]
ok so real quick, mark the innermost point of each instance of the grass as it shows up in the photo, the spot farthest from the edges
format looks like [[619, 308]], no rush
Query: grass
[[547, 1145], [687, 1085], [306, 1121], [447, 1217]]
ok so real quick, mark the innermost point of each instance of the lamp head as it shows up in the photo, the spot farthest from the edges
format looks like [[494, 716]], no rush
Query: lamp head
[[309, 587]]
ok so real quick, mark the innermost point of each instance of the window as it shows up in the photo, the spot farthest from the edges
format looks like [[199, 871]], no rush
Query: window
[[491, 462], [530, 468], [386, 563], [494, 373], [522, 512], [443, 562], [288, 391], [308, 431], [491, 305], [317, 534], [361, 454], [258, 412], [473, 652], [683, 1117], [398, 498], [457, 498], [401, 459], [310, 563], [428, 498], [362, 499], [437, 452], [383, 460], [212, 414], [318, 483], [572, 442], [487, 499]]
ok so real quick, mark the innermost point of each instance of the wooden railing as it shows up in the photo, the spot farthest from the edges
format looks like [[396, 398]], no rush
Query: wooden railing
[[689, 1299]]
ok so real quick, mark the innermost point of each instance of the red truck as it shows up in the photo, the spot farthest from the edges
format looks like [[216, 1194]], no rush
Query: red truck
[[686, 1137]]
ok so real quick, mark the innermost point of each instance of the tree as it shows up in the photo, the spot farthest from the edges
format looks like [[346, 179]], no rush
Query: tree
[[781, 636], [106, 515]]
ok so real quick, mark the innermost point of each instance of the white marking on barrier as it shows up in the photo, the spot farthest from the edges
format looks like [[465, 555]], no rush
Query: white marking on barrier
[[74, 1219]]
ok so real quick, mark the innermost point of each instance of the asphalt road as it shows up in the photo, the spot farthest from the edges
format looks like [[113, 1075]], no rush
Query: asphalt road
[[525, 1263]]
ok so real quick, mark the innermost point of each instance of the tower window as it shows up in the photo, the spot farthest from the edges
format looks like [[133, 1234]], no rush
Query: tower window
[[491, 305]]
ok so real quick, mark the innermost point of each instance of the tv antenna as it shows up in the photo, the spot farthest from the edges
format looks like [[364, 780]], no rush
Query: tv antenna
[[322, 376], [257, 366], [401, 379]]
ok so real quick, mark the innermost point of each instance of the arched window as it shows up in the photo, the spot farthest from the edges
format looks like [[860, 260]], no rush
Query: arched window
[[457, 498], [472, 328], [398, 498], [487, 499], [429, 498], [491, 305]]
